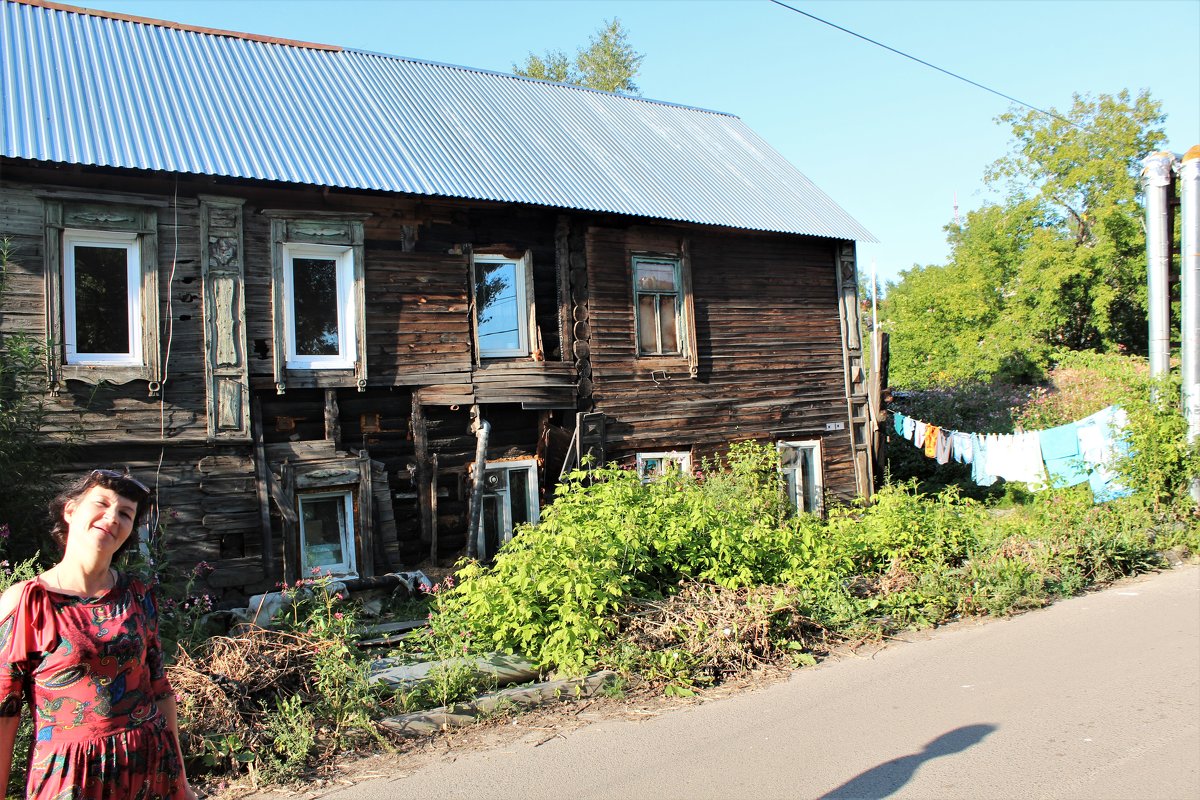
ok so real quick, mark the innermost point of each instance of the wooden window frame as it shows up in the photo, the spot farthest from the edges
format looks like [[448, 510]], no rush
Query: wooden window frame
[[814, 497], [526, 308], [293, 231], [683, 458], [680, 338], [78, 220], [685, 309], [347, 534]]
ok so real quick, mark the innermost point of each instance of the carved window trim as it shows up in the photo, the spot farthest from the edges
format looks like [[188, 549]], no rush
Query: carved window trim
[[299, 231], [350, 476], [68, 222]]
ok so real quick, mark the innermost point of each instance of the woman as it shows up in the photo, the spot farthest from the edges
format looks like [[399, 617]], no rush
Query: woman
[[80, 643]]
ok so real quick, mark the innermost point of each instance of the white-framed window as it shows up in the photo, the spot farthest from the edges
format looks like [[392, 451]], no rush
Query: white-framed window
[[658, 305], [800, 463], [327, 533], [319, 308], [510, 499], [503, 302], [102, 298], [654, 465]]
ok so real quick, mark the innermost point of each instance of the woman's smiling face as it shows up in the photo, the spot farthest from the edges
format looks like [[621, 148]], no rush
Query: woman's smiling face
[[100, 518]]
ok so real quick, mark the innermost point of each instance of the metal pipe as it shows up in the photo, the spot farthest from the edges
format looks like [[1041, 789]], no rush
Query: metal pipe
[[1189, 210], [1156, 177], [482, 430]]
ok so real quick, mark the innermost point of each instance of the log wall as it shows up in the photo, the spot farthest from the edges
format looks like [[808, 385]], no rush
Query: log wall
[[768, 355]]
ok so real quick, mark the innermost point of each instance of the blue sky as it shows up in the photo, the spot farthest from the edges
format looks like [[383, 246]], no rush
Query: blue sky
[[890, 140]]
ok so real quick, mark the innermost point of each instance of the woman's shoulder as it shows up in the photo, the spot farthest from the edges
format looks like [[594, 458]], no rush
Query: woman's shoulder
[[12, 596]]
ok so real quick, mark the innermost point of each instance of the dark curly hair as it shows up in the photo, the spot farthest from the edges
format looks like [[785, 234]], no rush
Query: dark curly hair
[[120, 482]]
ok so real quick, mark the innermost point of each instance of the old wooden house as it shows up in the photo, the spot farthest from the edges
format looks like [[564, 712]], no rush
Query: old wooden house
[[306, 290]]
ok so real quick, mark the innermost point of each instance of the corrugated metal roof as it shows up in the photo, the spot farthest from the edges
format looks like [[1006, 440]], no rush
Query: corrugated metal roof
[[92, 89]]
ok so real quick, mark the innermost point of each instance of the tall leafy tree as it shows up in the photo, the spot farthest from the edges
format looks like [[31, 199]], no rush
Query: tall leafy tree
[[1058, 264], [608, 62]]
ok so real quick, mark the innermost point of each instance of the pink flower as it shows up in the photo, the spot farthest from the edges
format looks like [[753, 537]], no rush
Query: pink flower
[[316, 570], [338, 615]]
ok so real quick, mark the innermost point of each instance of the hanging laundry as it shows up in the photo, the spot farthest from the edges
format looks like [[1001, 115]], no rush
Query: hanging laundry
[[1101, 443], [1067, 454], [979, 467], [1060, 451], [944, 444], [961, 447], [931, 439]]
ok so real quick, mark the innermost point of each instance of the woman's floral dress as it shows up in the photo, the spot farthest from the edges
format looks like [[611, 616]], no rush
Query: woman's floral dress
[[92, 671]]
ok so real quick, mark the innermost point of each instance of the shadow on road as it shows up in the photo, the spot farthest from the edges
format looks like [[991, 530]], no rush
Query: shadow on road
[[885, 779]]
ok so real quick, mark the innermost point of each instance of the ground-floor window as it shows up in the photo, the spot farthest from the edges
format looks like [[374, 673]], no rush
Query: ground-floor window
[[800, 463], [327, 533], [510, 499], [654, 465]]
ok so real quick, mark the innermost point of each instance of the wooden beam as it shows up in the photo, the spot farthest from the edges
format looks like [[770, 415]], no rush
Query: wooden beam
[[261, 473], [422, 477], [333, 424]]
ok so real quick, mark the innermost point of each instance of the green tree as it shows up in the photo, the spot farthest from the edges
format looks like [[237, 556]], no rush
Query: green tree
[[27, 460], [1058, 264], [608, 62]]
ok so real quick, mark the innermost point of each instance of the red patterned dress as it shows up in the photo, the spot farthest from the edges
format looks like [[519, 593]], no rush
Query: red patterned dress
[[92, 671]]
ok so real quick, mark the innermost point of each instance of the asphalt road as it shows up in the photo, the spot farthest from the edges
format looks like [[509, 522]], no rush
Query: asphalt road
[[1096, 697]]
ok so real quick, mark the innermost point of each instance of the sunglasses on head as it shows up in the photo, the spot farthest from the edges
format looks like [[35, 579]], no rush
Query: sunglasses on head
[[112, 474]]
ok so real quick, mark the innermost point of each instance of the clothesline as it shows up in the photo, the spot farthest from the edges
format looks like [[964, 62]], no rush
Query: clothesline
[[1066, 455]]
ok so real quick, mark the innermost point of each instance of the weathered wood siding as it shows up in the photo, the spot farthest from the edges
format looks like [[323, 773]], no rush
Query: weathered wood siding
[[769, 346], [769, 362]]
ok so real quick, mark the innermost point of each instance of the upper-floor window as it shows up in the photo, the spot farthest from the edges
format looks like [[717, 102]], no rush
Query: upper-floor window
[[318, 293], [102, 298], [102, 314], [319, 306], [503, 303], [658, 305]]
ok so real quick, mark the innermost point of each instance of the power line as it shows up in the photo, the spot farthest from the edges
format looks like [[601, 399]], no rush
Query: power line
[[927, 64]]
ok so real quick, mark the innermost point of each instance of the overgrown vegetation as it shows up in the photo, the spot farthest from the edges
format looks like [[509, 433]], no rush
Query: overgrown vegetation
[[277, 702], [27, 459]]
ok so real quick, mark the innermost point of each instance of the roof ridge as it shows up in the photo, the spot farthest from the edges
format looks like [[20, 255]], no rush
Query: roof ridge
[[515, 76], [179, 26]]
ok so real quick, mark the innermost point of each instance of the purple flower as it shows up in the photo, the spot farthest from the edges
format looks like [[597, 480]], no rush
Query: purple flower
[[5, 532]]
